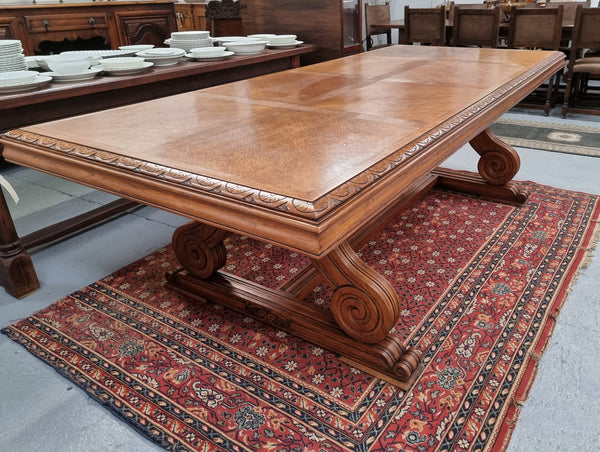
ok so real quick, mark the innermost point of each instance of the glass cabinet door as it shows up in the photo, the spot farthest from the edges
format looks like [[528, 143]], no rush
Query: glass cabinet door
[[351, 24]]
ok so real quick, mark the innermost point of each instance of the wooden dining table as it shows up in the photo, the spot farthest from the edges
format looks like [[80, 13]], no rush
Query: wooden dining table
[[316, 160]]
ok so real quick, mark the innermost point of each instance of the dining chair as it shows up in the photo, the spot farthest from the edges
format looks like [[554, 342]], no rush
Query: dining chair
[[583, 64], [537, 29], [377, 14], [426, 26], [475, 27]]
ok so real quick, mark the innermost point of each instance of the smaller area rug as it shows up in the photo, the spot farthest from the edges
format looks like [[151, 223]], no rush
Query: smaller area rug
[[558, 137], [481, 284]]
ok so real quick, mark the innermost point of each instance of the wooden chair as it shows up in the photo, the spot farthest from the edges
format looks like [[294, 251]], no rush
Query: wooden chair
[[581, 66], [377, 14], [426, 26], [475, 27], [224, 18], [537, 28]]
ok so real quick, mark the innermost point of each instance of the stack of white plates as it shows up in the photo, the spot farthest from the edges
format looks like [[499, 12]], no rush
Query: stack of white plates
[[11, 56], [188, 40], [282, 41], [162, 56]]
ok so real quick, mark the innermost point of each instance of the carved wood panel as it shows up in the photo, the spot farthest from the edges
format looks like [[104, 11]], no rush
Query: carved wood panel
[[7, 27], [145, 28]]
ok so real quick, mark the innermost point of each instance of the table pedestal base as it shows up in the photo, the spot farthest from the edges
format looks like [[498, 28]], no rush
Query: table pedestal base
[[387, 359], [364, 306]]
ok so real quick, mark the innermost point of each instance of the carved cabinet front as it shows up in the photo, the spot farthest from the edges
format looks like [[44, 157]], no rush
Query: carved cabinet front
[[46, 28]]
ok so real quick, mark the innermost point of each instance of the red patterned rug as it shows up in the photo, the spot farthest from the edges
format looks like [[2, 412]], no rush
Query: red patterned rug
[[481, 283]]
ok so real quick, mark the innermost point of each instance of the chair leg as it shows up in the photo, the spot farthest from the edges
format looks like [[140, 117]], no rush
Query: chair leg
[[549, 93], [567, 100]]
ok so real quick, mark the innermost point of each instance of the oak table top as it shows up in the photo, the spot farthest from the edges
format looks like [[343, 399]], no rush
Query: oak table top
[[308, 159]]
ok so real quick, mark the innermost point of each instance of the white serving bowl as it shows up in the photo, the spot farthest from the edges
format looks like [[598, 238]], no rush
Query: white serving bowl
[[137, 47], [248, 46], [161, 51], [66, 66], [282, 39], [223, 39], [262, 36], [190, 35], [121, 63], [44, 60], [208, 51], [17, 77]]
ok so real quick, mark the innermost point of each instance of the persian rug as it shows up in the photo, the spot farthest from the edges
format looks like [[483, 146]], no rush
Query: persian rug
[[557, 137], [481, 285]]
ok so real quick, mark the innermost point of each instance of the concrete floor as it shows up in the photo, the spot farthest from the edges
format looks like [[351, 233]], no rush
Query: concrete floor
[[42, 411]]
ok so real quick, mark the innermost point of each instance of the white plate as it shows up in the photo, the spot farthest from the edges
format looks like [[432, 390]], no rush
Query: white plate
[[16, 67], [159, 52], [285, 45], [100, 53], [160, 62], [89, 74], [39, 80], [7, 51], [31, 63], [256, 52], [129, 70], [9, 42], [225, 54], [173, 54]]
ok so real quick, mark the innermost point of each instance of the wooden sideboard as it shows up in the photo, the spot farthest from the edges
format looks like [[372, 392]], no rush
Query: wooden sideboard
[[42, 28], [334, 26]]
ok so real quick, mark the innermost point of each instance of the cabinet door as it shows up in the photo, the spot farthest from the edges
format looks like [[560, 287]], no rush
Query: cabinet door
[[8, 27], [199, 16], [183, 17], [352, 25], [144, 27]]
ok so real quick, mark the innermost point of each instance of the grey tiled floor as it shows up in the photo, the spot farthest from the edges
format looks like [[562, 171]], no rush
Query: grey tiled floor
[[42, 411]]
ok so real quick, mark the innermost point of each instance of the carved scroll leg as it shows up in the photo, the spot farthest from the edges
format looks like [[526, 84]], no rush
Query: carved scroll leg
[[364, 304], [366, 307], [499, 162], [200, 248], [17, 274], [497, 166]]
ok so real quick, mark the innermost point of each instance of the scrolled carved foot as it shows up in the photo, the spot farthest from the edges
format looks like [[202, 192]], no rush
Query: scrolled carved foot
[[200, 249], [407, 365], [496, 168], [361, 316]]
